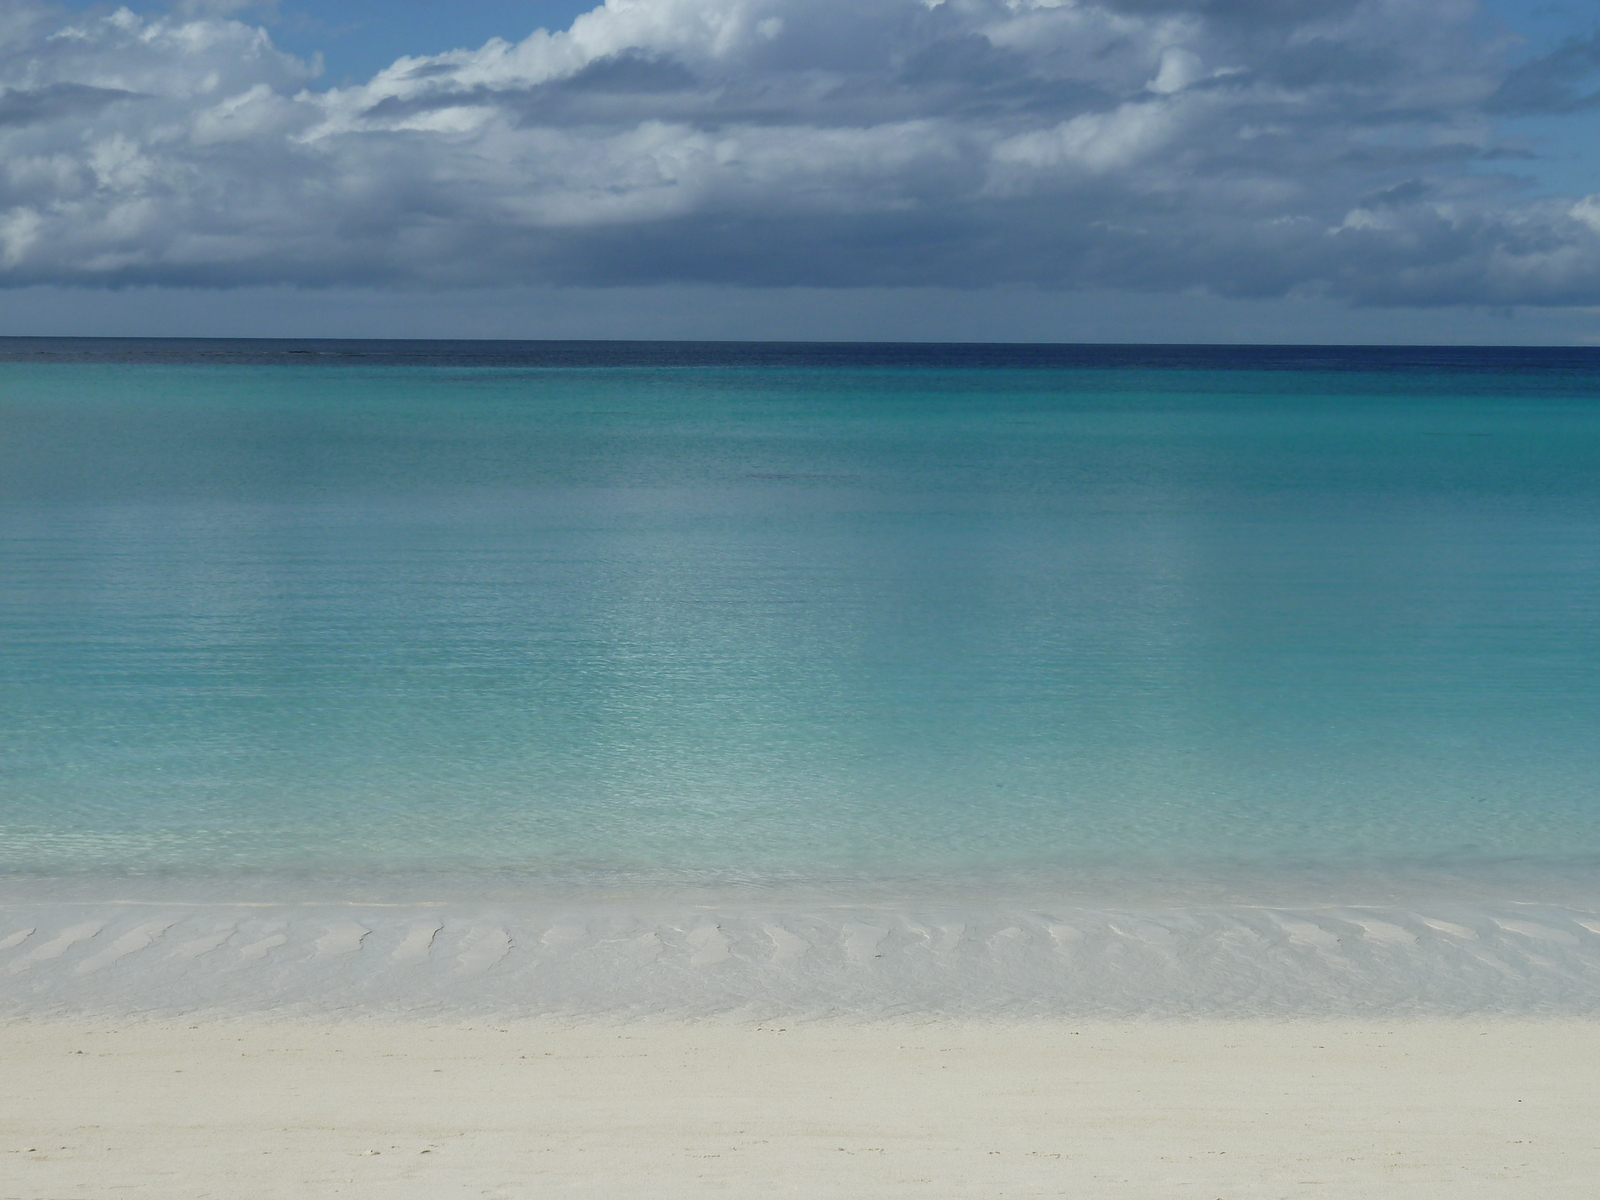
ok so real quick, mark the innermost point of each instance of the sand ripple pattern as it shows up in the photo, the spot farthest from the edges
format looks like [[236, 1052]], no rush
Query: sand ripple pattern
[[866, 961]]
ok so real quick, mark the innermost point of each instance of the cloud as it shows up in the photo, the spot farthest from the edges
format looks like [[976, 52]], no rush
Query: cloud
[[22, 107], [1553, 82], [1250, 148]]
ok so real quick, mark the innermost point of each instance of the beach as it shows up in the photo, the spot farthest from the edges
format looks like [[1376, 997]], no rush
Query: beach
[[270, 1050], [263, 1107], [523, 770], [288, 1050]]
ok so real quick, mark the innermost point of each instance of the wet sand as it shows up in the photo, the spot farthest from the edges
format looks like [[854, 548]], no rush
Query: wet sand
[[991, 961]]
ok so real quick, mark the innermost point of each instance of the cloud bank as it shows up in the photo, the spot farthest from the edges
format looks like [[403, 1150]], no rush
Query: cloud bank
[[1252, 148]]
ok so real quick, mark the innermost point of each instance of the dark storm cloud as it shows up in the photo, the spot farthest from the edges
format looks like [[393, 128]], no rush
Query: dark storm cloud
[[1243, 147]]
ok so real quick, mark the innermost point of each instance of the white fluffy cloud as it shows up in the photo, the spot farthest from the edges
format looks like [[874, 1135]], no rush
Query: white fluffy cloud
[[1250, 147]]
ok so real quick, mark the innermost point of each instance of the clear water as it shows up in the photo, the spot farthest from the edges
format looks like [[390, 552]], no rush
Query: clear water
[[665, 616]]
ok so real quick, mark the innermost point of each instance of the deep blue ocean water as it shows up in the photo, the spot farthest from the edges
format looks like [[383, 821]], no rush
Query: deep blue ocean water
[[629, 614]]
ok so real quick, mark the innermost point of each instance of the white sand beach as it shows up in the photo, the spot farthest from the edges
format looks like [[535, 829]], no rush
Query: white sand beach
[[263, 1107]]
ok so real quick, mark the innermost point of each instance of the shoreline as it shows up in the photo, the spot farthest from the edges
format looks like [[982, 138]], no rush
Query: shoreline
[[1445, 958], [269, 1107]]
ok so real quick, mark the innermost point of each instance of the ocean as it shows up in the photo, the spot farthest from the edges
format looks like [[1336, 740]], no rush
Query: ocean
[[799, 678]]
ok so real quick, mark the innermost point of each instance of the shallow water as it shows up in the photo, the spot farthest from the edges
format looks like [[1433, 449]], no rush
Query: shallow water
[[829, 623]]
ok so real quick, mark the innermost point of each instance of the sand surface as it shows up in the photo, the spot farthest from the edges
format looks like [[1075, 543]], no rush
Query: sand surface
[[1206, 1109]]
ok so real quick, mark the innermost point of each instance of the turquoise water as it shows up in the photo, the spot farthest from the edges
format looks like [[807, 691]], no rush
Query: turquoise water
[[671, 622]]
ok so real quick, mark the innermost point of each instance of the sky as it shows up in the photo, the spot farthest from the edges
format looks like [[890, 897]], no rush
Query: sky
[[1038, 170]]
